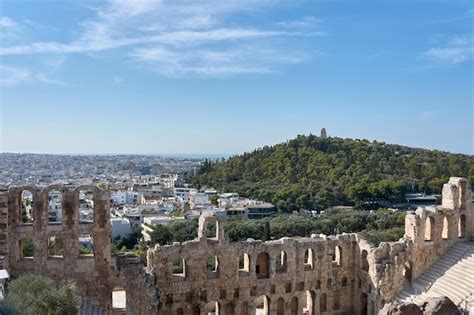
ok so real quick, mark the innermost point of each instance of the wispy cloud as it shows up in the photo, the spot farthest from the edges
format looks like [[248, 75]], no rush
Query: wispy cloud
[[455, 50], [178, 38], [11, 76]]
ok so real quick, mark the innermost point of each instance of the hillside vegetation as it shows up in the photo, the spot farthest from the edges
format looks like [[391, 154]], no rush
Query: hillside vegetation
[[310, 172]]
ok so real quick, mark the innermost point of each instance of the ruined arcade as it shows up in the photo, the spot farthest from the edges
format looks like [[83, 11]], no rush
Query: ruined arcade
[[341, 274]]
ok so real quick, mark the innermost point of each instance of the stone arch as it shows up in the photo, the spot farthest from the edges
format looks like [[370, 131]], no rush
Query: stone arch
[[445, 232], [309, 307], [262, 265], [55, 206], [229, 309], [364, 304], [280, 306], [281, 262], [85, 195], [429, 229], [26, 207], [323, 302], [363, 260], [407, 271], [294, 306], [337, 257], [206, 219], [462, 226], [262, 304], [309, 258], [463, 187], [196, 310], [244, 262], [119, 299], [212, 308]]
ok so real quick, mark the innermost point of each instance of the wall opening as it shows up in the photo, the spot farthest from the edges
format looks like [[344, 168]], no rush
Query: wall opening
[[86, 206], [323, 303], [344, 282], [281, 262], [337, 256], [462, 226], [280, 306], [336, 301], [26, 248], [55, 206], [86, 246], [179, 267], [229, 309], [294, 306], [55, 247], [262, 305], [196, 310], [407, 273], [180, 311], [309, 307], [364, 262], [244, 308], [463, 195], [244, 263], [445, 232], [329, 283], [429, 229], [26, 207], [308, 259], [211, 229], [212, 263], [363, 304], [119, 299], [212, 308], [262, 265]]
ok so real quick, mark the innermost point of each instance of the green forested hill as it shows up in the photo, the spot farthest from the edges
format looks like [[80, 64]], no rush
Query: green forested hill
[[310, 172]]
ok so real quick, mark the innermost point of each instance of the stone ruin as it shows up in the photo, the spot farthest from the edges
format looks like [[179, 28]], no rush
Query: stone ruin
[[342, 274]]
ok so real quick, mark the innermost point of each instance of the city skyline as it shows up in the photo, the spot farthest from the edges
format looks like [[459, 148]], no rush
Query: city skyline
[[162, 77]]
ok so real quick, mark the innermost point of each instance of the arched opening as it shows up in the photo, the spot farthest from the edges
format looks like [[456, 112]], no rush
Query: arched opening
[[212, 266], [86, 246], [337, 257], [55, 247], [336, 301], [281, 262], [119, 300], [244, 263], [463, 195], [86, 206], [280, 306], [329, 283], [294, 306], [344, 282], [309, 307], [407, 274], [363, 304], [179, 267], [429, 229], [262, 305], [196, 310], [364, 262], [318, 284], [244, 308], [26, 248], [308, 259], [55, 207], [180, 311], [445, 232], [211, 229], [229, 309], [212, 308], [462, 226], [322, 303], [26, 207], [262, 265]]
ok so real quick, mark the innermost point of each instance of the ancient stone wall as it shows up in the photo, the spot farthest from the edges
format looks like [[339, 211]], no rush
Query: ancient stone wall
[[341, 274]]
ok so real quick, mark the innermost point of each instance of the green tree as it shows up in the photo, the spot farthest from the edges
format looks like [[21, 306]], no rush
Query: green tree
[[37, 295]]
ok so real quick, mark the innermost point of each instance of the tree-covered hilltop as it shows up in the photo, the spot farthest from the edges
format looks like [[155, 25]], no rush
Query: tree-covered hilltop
[[311, 172]]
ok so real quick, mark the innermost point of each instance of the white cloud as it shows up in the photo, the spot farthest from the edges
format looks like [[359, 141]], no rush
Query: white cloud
[[7, 23], [455, 50], [11, 76], [191, 36]]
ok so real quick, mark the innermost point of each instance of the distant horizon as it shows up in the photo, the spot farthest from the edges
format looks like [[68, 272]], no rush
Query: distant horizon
[[209, 154]]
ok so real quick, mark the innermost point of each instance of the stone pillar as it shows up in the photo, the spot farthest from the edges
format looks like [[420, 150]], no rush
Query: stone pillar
[[4, 239]]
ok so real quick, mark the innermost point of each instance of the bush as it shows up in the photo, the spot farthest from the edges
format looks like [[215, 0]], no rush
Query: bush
[[37, 295]]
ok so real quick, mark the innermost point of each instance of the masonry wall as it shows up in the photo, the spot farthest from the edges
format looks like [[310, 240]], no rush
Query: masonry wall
[[341, 274]]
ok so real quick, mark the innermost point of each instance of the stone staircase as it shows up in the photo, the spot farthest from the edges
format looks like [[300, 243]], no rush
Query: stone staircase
[[452, 275]]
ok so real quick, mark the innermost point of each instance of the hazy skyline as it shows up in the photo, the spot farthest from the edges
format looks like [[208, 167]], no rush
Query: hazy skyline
[[228, 77]]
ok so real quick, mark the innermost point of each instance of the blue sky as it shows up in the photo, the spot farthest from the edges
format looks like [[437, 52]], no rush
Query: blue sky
[[230, 76]]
